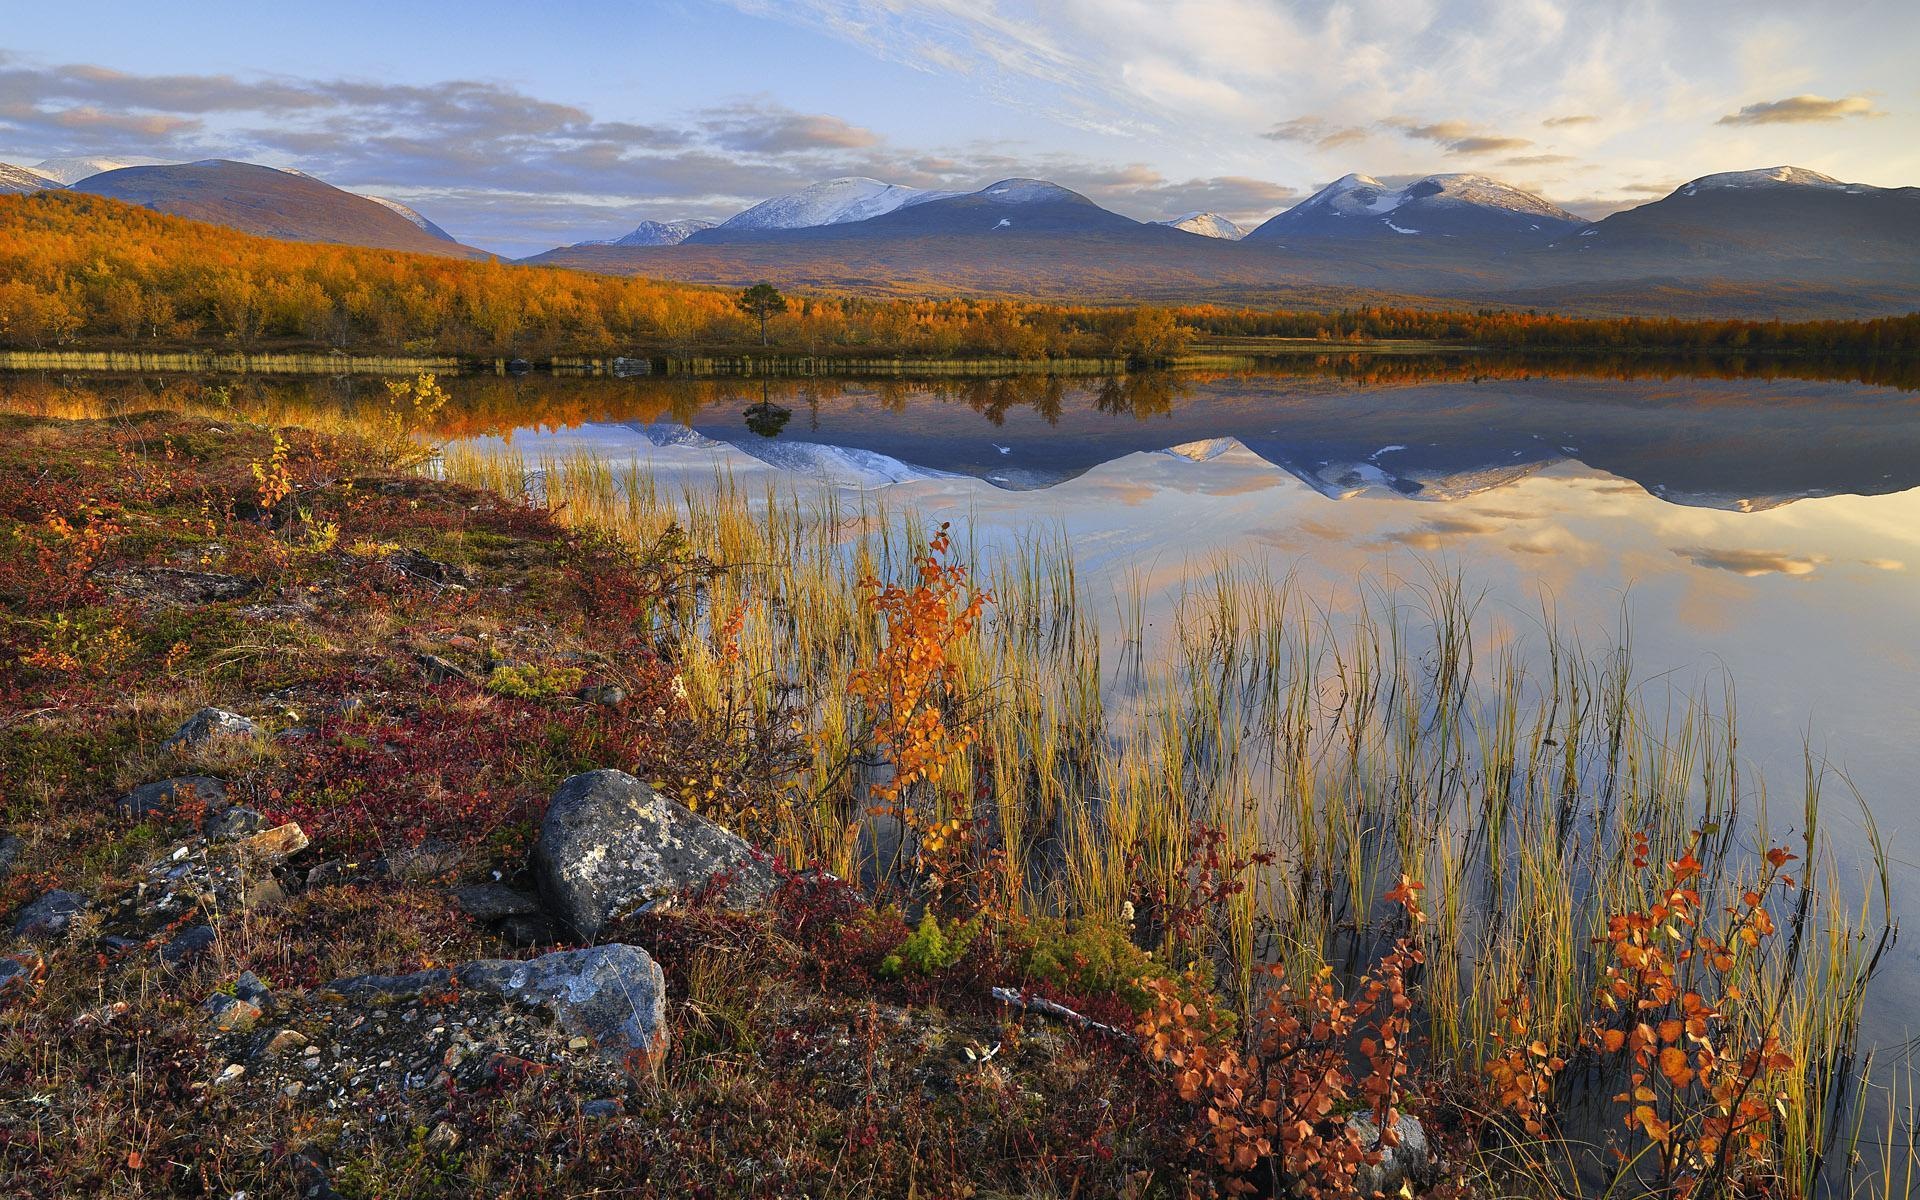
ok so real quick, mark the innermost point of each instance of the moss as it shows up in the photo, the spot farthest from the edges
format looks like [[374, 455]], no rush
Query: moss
[[534, 682]]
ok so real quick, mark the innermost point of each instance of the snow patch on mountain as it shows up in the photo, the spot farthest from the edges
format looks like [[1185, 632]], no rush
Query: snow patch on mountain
[[1452, 202], [832, 202], [1206, 224], [419, 221]]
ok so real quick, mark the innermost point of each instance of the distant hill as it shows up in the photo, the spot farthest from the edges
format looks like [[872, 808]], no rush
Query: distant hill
[[1438, 208], [69, 171], [1778, 223], [19, 180], [655, 233], [1206, 224], [270, 203], [419, 221]]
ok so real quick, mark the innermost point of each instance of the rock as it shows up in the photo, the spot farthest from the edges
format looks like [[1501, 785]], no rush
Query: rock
[[329, 872], [271, 845], [286, 1041], [416, 565], [443, 1138], [264, 895], [375, 990], [529, 929], [231, 1073], [165, 797], [1399, 1164], [438, 670], [249, 988], [187, 945], [613, 995], [610, 844], [207, 725], [230, 1013], [609, 694], [429, 860], [20, 976], [10, 848], [492, 901], [237, 821], [601, 1109], [170, 585], [48, 917]]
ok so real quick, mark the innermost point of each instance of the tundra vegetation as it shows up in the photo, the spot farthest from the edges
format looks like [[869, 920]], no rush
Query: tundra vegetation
[[1206, 911]]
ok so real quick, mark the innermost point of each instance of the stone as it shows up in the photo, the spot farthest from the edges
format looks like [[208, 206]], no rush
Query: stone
[[415, 565], [20, 976], [10, 848], [375, 990], [614, 995], [171, 585], [208, 725], [47, 918], [249, 988], [429, 860], [1399, 1164], [529, 929], [231, 1073], [610, 845], [330, 872], [164, 798], [610, 694], [600, 1109], [264, 895], [492, 901], [237, 821], [438, 670], [230, 1013], [271, 845], [285, 1041], [443, 1138], [187, 945]]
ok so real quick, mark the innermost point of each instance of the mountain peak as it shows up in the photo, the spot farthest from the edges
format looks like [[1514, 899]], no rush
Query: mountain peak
[[1445, 205], [1206, 224], [829, 202], [1026, 191], [1768, 177]]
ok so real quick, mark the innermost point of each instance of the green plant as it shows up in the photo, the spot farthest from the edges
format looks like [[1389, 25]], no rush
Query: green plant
[[929, 948]]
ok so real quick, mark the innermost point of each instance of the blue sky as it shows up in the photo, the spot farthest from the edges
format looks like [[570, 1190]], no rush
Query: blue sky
[[521, 126]]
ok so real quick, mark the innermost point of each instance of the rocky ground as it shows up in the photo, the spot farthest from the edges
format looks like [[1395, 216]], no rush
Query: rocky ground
[[339, 860]]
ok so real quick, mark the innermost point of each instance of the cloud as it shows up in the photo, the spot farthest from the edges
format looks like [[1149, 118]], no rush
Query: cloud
[[1456, 136], [1572, 119], [1798, 109], [1315, 131], [1537, 160], [1750, 563], [766, 128]]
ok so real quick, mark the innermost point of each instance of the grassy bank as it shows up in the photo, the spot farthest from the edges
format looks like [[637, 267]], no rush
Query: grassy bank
[[1192, 833]]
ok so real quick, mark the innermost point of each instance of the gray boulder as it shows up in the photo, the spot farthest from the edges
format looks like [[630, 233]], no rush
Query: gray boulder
[[10, 848], [166, 796], [48, 917], [207, 725], [188, 944], [491, 901], [1409, 1160], [610, 845], [615, 996]]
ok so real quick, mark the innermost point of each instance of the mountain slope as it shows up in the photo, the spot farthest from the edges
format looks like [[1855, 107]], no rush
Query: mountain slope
[[1775, 223], [1440, 206], [270, 203], [19, 180]]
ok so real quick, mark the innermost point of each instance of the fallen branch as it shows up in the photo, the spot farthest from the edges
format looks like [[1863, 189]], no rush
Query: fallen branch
[[1040, 1004]]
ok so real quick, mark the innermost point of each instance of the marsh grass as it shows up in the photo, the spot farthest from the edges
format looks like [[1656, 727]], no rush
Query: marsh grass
[[1329, 751]]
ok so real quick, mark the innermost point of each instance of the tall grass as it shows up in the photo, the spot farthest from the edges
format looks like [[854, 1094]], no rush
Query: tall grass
[[1406, 734]]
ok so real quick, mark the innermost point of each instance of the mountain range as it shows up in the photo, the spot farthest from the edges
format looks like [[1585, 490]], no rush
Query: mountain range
[[1783, 241]]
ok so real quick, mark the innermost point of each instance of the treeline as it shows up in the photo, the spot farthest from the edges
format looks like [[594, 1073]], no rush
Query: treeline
[[85, 271]]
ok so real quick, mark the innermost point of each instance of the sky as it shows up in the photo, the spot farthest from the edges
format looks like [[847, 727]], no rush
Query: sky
[[520, 126]]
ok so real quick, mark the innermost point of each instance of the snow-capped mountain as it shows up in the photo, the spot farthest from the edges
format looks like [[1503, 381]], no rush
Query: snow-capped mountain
[[70, 171], [1452, 206], [419, 221], [19, 180], [1770, 177], [655, 233], [1206, 224], [833, 202]]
